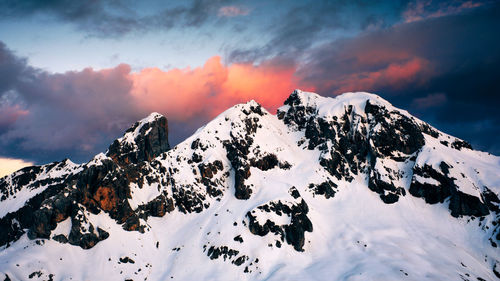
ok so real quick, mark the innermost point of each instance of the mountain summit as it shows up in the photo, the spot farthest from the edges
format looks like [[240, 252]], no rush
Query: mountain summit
[[344, 188], [144, 141]]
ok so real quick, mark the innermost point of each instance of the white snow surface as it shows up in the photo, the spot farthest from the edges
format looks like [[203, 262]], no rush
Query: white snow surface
[[355, 235]]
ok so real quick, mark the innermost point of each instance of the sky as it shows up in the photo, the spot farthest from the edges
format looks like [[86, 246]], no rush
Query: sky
[[75, 74]]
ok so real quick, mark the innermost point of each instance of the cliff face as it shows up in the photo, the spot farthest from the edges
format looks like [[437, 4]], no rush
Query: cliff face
[[65, 190], [327, 183], [144, 141]]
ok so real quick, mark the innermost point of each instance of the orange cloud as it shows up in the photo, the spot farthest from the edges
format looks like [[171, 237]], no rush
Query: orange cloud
[[211, 88], [395, 75]]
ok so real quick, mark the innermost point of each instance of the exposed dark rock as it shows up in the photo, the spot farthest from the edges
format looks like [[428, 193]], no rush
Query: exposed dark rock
[[186, 200], [222, 251], [126, 260], [431, 193], [207, 172], [35, 273], [460, 203], [238, 239], [237, 152], [387, 191], [157, 207], [294, 192], [491, 199], [459, 144], [262, 230], [402, 135], [298, 114], [266, 163], [61, 238], [426, 129], [196, 144], [496, 269], [151, 141], [240, 260], [293, 232], [324, 188], [14, 224]]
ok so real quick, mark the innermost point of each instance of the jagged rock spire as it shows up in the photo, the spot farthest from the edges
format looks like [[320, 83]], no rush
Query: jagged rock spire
[[145, 140]]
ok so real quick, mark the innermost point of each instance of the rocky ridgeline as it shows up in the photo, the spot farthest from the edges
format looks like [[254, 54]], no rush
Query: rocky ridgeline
[[362, 136], [144, 141], [65, 190], [374, 139]]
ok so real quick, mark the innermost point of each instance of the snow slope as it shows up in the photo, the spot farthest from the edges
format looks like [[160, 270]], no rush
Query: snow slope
[[345, 188]]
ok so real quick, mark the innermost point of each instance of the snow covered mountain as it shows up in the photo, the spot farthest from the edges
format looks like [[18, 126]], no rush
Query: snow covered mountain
[[345, 188]]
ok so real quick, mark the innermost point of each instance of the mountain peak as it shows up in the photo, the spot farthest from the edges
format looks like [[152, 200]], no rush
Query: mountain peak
[[145, 140], [251, 188], [331, 106]]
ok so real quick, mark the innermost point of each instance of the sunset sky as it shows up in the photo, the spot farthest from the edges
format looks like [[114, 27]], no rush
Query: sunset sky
[[75, 74]]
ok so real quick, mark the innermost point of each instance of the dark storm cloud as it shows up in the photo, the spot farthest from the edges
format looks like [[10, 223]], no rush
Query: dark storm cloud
[[443, 69], [11, 67], [304, 23], [100, 18], [46, 117], [115, 18]]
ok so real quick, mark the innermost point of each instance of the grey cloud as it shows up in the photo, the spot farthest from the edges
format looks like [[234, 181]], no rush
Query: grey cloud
[[74, 114], [115, 18], [304, 23]]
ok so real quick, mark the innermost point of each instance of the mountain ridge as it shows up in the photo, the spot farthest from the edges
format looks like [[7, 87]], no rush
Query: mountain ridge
[[273, 173]]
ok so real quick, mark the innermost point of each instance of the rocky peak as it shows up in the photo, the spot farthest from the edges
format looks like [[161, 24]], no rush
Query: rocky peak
[[361, 133], [258, 179], [145, 140]]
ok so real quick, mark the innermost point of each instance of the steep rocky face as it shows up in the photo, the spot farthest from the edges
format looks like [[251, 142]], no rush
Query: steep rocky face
[[144, 141], [24, 192], [65, 190], [267, 181], [367, 135], [356, 138]]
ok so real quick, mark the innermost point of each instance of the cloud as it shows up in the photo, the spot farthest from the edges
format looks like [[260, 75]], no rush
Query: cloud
[[212, 88], [420, 9], [100, 18], [9, 165], [394, 74], [9, 116], [97, 18], [51, 116], [431, 100], [47, 117], [300, 25], [232, 11]]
